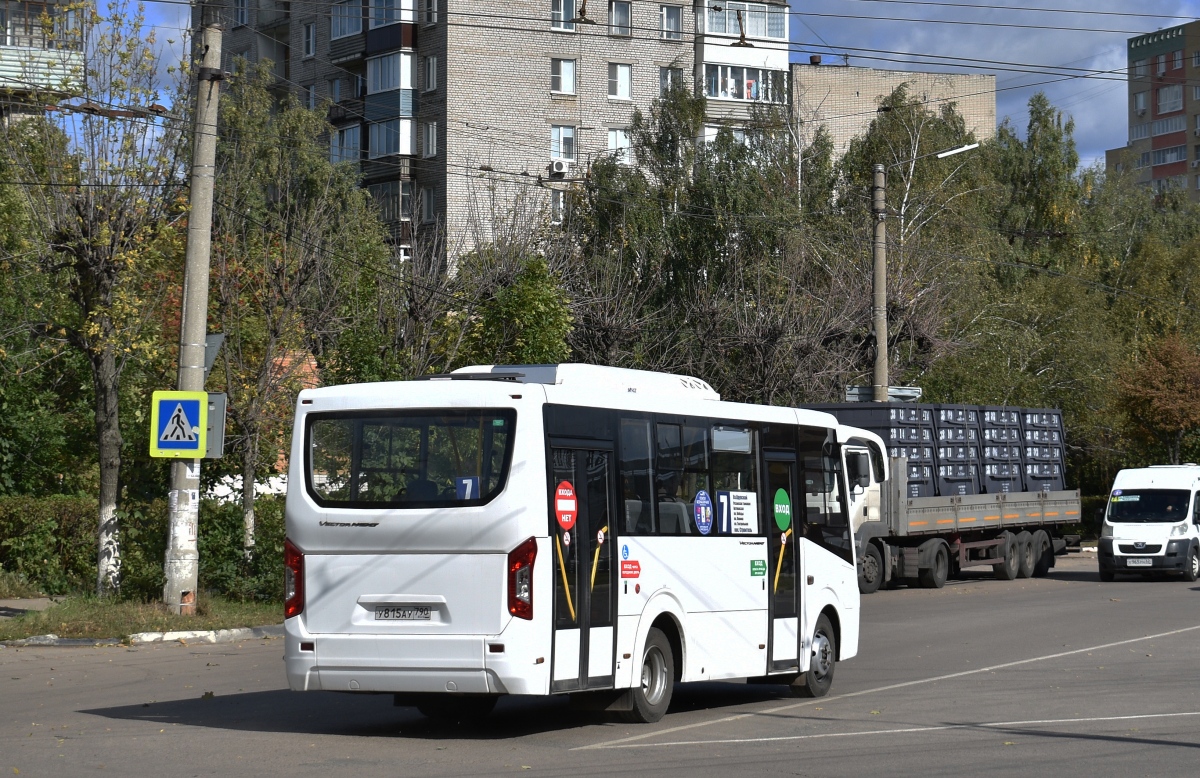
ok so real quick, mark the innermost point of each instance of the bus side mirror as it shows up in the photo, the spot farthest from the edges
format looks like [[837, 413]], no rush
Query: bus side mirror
[[858, 467]]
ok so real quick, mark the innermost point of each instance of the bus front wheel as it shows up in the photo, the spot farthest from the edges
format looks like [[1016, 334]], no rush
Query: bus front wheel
[[819, 677], [656, 683]]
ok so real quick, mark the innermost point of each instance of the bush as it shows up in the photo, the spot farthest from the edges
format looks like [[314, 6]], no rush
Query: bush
[[223, 566], [50, 541]]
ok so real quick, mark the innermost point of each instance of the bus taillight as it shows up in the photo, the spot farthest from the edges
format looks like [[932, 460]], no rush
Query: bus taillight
[[293, 580], [520, 579]]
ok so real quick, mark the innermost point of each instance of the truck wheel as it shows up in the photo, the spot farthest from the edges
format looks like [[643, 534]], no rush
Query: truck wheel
[[1025, 555], [451, 709], [1007, 568], [1191, 570], [934, 577], [1043, 553], [1106, 576], [818, 679], [871, 575], [652, 696]]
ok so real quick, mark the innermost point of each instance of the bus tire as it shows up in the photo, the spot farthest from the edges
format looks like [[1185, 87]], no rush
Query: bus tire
[[1191, 569], [652, 696], [819, 676], [934, 576], [1043, 554], [871, 576], [1006, 569], [454, 709], [1026, 555]]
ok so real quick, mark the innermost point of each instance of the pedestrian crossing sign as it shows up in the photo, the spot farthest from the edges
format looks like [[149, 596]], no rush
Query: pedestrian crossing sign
[[178, 424]]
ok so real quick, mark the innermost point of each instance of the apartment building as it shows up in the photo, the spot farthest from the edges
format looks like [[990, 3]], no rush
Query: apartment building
[[40, 55], [1163, 110], [466, 116], [844, 99]]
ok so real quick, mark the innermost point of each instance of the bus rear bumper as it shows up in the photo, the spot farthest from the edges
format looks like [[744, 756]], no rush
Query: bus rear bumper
[[387, 663]]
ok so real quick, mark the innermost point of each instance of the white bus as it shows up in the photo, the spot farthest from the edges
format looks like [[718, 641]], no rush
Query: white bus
[[554, 529]]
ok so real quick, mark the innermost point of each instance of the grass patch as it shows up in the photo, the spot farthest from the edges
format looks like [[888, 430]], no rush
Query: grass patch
[[14, 586], [89, 617]]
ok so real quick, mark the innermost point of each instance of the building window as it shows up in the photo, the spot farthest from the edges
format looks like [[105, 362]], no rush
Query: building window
[[1139, 102], [429, 140], [1170, 124], [393, 199], [1139, 131], [241, 12], [562, 142], [1197, 152], [620, 20], [393, 136], [431, 74], [1196, 93], [562, 15], [1160, 65], [429, 11], [391, 71], [1195, 59], [310, 96], [562, 76], [1173, 154], [668, 79], [344, 144], [346, 19], [1177, 59], [619, 145], [428, 205], [620, 81], [1170, 98], [384, 12], [734, 82], [672, 22], [1139, 67], [335, 90], [759, 20], [557, 206], [310, 40], [1144, 159], [1198, 182]]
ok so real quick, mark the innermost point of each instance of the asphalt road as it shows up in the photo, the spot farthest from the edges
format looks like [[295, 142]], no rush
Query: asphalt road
[[1062, 675]]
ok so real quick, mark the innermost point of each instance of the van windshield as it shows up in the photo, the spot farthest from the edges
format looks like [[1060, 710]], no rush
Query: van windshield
[[1148, 505], [408, 459]]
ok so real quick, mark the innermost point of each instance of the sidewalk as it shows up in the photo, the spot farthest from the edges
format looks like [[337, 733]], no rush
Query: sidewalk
[[11, 608]]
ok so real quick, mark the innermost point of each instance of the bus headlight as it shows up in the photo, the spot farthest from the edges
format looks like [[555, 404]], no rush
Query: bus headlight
[[1106, 531], [1179, 530]]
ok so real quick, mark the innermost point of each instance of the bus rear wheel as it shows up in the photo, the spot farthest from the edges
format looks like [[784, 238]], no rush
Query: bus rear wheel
[[819, 678], [652, 695]]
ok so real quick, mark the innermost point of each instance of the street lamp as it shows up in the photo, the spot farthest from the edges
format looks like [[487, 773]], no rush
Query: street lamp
[[879, 383]]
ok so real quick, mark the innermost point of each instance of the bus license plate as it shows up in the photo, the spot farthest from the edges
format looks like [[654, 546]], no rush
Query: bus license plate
[[1139, 561], [402, 613]]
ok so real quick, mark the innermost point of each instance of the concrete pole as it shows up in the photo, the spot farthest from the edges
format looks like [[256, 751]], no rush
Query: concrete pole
[[183, 558], [879, 284]]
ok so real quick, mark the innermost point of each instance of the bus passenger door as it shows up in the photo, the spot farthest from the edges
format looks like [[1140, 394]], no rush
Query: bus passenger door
[[783, 560], [581, 535]]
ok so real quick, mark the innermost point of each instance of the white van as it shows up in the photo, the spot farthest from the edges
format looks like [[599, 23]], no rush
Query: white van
[[1152, 523]]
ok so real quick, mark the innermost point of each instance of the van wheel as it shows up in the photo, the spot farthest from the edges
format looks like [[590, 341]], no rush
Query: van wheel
[[1043, 553], [451, 709], [871, 575], [653, 695], [1026, 557], [1191, 570], [934, 577], [1006, 569], [818, 679]]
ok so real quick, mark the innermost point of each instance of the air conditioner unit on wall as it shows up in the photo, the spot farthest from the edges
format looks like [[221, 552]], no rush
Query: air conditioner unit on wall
[[1196, 163], [560, 167]]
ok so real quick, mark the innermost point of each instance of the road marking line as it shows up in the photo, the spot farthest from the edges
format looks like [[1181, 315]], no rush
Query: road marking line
[[905, 684], [909, 730]]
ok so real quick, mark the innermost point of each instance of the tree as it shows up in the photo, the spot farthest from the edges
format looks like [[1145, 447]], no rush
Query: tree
[[1161, 395], [294, 238], [102, 196]]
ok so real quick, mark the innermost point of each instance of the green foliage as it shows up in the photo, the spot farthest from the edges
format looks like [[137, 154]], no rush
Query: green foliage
[[223, 565], [50, 541]]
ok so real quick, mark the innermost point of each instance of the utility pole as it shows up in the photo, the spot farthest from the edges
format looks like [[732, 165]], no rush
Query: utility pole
[[879, 284], [182, 561]]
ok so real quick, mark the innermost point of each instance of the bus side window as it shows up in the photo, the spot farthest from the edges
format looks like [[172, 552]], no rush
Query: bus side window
[[635, 476], [1196, 509], [695, 473], [734, 459], [668, 480]]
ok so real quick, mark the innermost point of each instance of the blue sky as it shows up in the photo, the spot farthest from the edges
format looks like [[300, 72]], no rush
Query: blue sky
[[824, 26]]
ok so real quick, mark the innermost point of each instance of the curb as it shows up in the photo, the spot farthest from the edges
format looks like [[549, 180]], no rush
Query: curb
[[146, 638]]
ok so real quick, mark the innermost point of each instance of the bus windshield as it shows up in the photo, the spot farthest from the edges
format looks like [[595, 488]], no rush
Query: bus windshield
[[1147, 505], [411, 459]]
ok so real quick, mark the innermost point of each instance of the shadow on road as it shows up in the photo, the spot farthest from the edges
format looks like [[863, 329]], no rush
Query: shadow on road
[[373, 715]]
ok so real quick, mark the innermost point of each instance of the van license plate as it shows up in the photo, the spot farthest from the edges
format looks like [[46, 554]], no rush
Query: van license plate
[[1139, 561], [402, 613]]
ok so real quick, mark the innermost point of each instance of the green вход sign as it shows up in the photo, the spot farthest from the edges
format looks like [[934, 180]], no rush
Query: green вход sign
[[758, 567], [783, 510]]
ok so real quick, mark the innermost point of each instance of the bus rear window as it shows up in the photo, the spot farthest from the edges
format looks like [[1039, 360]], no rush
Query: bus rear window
[[409, 459]]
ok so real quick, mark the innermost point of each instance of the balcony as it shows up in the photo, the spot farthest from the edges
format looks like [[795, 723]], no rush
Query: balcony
[[39, 49]]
